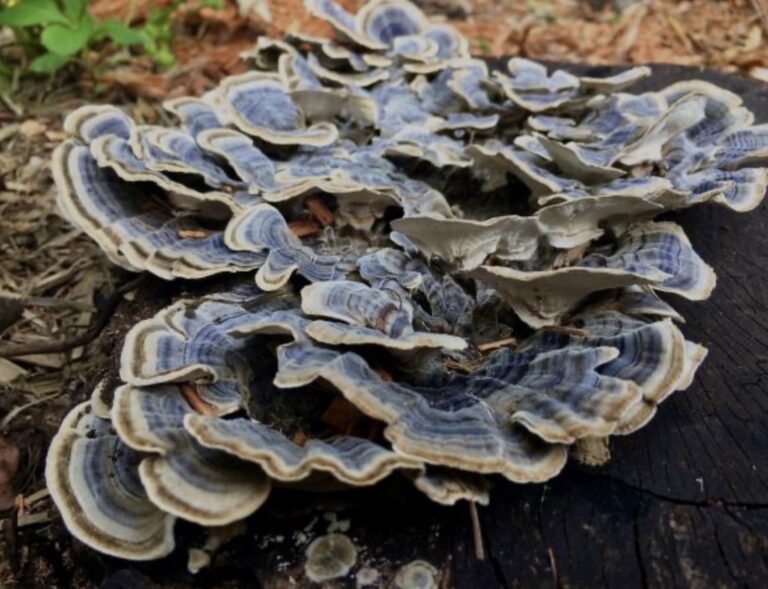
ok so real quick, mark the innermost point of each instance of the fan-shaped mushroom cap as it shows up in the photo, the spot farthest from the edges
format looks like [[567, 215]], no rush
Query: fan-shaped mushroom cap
[[531, 88], [498, 160], [414, 47], [640, 413], [325, 104], [650, 247], [342, 21], [191, 342], [92, 121], [123, 218], [542, 297], [248, 161], [579, 221], [484, 443], [467, 82], [93, 480], [196, 115], [742, 147], [370, 316], [617, 82], [180, 476], [352, 461], [740, 190], [115, 214], [449, 486], [655, 254], [386, 20], [262, 227], [118, 155], [258, 105], [390, 264], [356, 79], [171, 150], [467, 243], [451, 44], [413, 141]]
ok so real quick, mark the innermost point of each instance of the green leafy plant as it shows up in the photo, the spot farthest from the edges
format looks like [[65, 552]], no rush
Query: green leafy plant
[[63, 29], [158, 32], [56, 32]]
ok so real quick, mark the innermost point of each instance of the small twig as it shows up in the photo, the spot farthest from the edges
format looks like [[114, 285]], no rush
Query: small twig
[[476, 531], [12, 106], [16, 410], [303, 227], [553, 564], [48, 302], [762, 11], [33, 519], [193, 399], [319, 211], [510, 341], [74, 342], [457, 366], [36, 496]]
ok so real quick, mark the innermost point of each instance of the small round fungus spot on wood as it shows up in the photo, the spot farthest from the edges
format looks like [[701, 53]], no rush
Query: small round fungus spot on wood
[[329, 557], [417, 574], [366, 577]]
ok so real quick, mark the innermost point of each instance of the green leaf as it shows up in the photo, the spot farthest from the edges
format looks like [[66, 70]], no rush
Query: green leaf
[[64, 40], [216, 4], [120, 33], [48, 63], [28, 13], [74, 9], [163, 57]]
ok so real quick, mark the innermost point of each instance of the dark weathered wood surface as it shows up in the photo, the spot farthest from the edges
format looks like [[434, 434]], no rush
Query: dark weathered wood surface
[[683, 502]]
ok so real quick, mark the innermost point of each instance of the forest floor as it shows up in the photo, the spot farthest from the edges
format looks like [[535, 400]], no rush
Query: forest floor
[[57, 288]]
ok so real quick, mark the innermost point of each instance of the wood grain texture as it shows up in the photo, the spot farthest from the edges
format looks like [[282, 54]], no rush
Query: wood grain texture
[[683, 502]]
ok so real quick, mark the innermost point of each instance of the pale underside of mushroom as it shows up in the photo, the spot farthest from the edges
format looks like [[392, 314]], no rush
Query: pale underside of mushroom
[[441, 273]]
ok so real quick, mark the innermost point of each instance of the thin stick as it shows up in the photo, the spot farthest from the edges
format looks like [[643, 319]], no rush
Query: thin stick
[[16, 410], [476, 531], [553, 564], [77, 341], [762, 12], [510, 341]]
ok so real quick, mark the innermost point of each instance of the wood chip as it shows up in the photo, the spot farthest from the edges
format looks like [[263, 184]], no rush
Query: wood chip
[[303, 227], [192, 234], [319, 211], [46, 360], [10, 371], [502, 343], [32, 128]]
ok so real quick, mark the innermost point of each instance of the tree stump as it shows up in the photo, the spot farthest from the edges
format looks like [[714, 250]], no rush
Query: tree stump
[[683, 502]]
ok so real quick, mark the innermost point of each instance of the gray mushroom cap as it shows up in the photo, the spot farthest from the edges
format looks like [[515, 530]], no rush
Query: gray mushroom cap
[[93, 479]]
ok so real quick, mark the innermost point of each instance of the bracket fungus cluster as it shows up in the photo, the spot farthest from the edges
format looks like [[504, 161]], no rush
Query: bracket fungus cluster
[[444, 273]]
